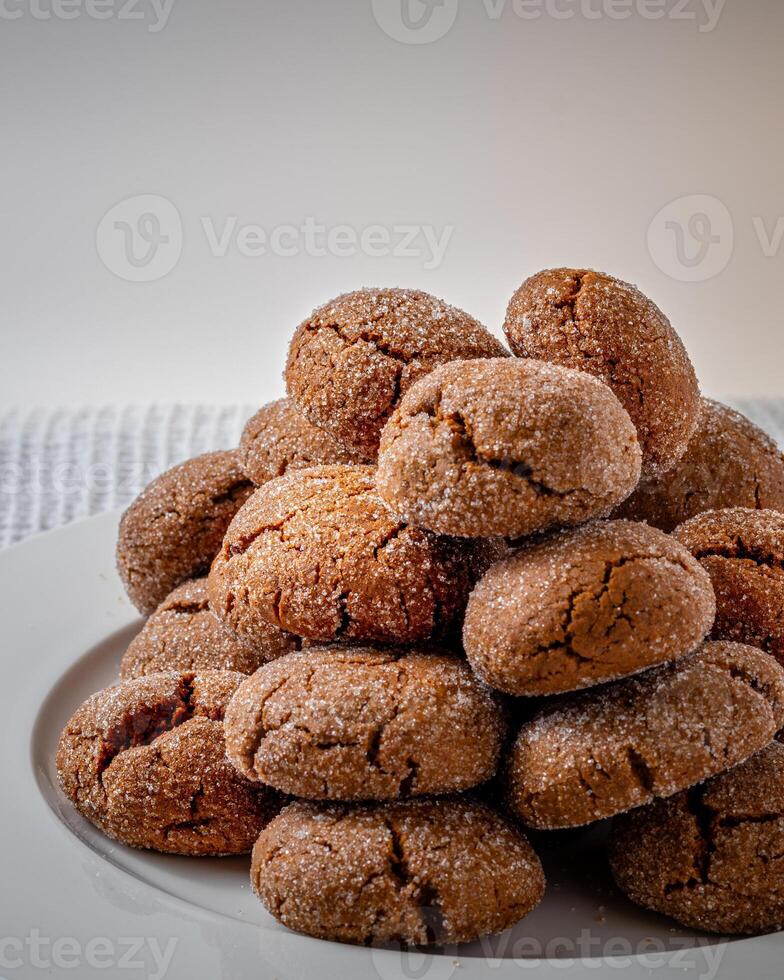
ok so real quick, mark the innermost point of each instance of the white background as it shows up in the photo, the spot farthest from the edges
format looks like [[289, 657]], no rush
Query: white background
[[546, 141]]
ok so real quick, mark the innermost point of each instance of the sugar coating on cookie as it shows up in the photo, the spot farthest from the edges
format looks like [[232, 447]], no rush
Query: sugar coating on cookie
[[586, 606], [365, 724], [604, 751], [173, 529], [279, 438], [711, 857], [506, 446], [353, 358], [729, 462], [184, 634], [319, 554], [416, 872], [593, 322], [743, 552], [145, 762]]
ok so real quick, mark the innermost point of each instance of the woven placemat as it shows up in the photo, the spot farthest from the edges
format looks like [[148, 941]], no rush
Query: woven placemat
[[58, 466]]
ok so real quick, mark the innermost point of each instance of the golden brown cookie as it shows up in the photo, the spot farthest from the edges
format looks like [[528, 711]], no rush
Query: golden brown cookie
[[421, 871], [145, 762], [365, 724], [593, 322], [506, 446], [353, 358], [743, 552], [319, 554], [184, 634], [586, 606], [278, 438], [711, 857], [729, 462], [602, 752], [174, 528]]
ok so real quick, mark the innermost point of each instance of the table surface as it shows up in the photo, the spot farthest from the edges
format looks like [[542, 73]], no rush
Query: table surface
[[57, 466]]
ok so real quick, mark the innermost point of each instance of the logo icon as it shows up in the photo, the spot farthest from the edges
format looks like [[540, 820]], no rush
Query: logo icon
[[140, 238], [415, 21], [691, 239], [414, 964]]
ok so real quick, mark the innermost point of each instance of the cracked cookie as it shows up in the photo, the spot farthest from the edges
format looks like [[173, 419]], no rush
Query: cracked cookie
[[506, 446], [145, 762], [593, 322], [353, 358], [278, 438], [743, 552], [710, 858], [184, 634], [319, 554], [174, 528], [416, 872], [729, 462], [365, 724], [587, 606], [599, 753]]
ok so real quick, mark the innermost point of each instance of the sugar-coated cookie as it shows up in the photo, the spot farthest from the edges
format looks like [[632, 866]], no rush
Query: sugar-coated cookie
[[353, 358], [586, 606], [145, 762], [421, 871], [470, 449], [365, 724], [184, 634], [604, 751], [711, 857], [729, 462], [279, 438], [319, 554], [173, 529], [743, 552], [593, 322]]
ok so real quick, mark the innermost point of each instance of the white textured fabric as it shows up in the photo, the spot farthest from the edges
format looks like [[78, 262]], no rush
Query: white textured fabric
[[58, 466]]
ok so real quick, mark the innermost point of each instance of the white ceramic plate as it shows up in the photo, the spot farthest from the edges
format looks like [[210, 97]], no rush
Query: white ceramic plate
[[74, 904]]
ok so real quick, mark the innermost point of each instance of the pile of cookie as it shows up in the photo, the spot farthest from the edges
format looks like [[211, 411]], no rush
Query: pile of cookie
[[441, 594]]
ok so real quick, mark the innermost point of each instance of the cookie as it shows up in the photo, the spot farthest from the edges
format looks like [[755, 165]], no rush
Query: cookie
[[278, 438], [593, 322], [602, 752], [729, 462], [353, 358], [711, 857], [743, 552], [470, 450], [184, 634], [586, 606], [365, 724], [145, 762], [319, 554], [174, 528], [414, 872]]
